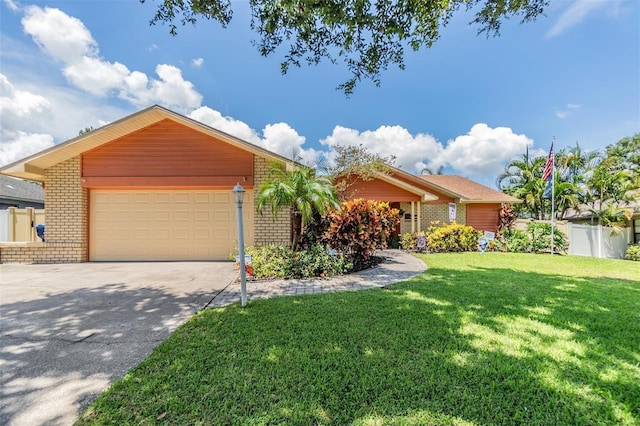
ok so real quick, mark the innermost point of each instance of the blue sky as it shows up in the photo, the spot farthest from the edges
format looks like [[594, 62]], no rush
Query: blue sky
[[469, 103]]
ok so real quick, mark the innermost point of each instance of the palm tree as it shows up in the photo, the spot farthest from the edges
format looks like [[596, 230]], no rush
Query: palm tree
[[566, 196], [577, 163], [608, 188], [300, 189], [575, 166], [522, 178]]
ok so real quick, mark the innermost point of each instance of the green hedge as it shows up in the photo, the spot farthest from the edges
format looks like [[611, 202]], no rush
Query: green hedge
[[276, 261], [633, 252]]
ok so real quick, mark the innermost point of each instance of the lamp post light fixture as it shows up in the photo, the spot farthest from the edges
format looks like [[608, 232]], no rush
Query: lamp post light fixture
[[238, 194]]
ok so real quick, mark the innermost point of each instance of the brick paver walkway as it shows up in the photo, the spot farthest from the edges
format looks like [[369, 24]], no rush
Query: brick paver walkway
[[397, 266]]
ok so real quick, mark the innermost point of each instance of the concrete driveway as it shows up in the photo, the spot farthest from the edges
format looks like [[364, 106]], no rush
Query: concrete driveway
[[68, 331]]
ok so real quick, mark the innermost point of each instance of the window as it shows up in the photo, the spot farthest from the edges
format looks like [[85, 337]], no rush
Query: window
[[636, 230]]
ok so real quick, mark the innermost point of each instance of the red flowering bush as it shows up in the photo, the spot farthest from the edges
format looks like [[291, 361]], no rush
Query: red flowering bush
[[360, 228]]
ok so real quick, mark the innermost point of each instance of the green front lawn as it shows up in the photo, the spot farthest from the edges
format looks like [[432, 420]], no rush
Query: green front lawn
[[477, 339]]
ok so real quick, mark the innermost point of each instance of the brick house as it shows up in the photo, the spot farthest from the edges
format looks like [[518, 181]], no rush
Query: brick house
[[426, 198], [155, 185]]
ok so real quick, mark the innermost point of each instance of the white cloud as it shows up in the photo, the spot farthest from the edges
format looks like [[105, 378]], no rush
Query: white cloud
[[197, 62], [279, 137], [31, 122], [96, 76], [61, 36], [564, 113], [578, 11], [66, 39], [484, 150], [481, 152], [228, 125], [11, 5], [173, 90], [17, 145], [20, 109], [410, 151], [283, 139]]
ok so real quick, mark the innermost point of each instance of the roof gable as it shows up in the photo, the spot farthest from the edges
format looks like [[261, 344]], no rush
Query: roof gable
[[34, 166]]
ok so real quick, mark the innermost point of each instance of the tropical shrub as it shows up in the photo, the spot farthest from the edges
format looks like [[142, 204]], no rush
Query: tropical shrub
[[316, 262], [536, 239], [540, 235], [633, 252], [407, 241], [516, 241], [360, 228], [269, 261], [277, 261], [452, 237]]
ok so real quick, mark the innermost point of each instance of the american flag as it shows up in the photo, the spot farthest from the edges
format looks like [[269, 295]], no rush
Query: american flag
[[548, 167]]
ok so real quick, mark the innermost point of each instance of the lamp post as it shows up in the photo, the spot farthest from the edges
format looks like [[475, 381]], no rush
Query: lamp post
[[238, 194]]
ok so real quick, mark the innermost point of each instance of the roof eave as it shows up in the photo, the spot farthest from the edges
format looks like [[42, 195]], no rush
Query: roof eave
[[469, 201], [424, 195], [28, 200]]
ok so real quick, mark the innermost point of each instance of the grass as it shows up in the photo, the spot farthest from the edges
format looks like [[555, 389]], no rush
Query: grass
[[477, 339]]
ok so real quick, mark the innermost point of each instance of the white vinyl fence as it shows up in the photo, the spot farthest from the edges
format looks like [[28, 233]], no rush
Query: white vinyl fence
[[597, 241], [4, 225], [589, 240]]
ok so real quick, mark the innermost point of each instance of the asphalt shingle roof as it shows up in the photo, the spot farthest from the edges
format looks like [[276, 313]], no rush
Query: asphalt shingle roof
[[18, 189], [467, 189]]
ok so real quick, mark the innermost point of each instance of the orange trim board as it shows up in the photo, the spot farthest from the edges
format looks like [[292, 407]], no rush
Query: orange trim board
[[176, 182]]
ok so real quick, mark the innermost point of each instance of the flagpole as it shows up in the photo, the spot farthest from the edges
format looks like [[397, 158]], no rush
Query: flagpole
[[553, 196]]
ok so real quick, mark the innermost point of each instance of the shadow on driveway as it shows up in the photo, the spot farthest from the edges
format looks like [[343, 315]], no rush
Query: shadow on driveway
[[61, 349]]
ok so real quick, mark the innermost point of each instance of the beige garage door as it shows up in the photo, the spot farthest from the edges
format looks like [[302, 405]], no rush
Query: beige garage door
[[165, 224]]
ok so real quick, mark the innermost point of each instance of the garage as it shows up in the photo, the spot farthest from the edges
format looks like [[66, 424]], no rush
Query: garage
[[126, 225], [152, 186]]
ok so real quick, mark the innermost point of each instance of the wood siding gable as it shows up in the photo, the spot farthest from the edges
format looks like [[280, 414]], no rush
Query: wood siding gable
[[167, 154], [380, 190]]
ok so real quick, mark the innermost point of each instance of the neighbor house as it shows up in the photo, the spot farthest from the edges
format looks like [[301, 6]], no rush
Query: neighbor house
[[18, 193], [155, 185], [583, 214], [428, 198]]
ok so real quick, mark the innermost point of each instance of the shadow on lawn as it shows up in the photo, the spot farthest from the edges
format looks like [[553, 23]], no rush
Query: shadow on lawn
[[60, 352], [506, 347], [569, 345]]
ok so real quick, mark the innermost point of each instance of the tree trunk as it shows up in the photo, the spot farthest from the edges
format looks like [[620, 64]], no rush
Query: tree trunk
[[296, 228]]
